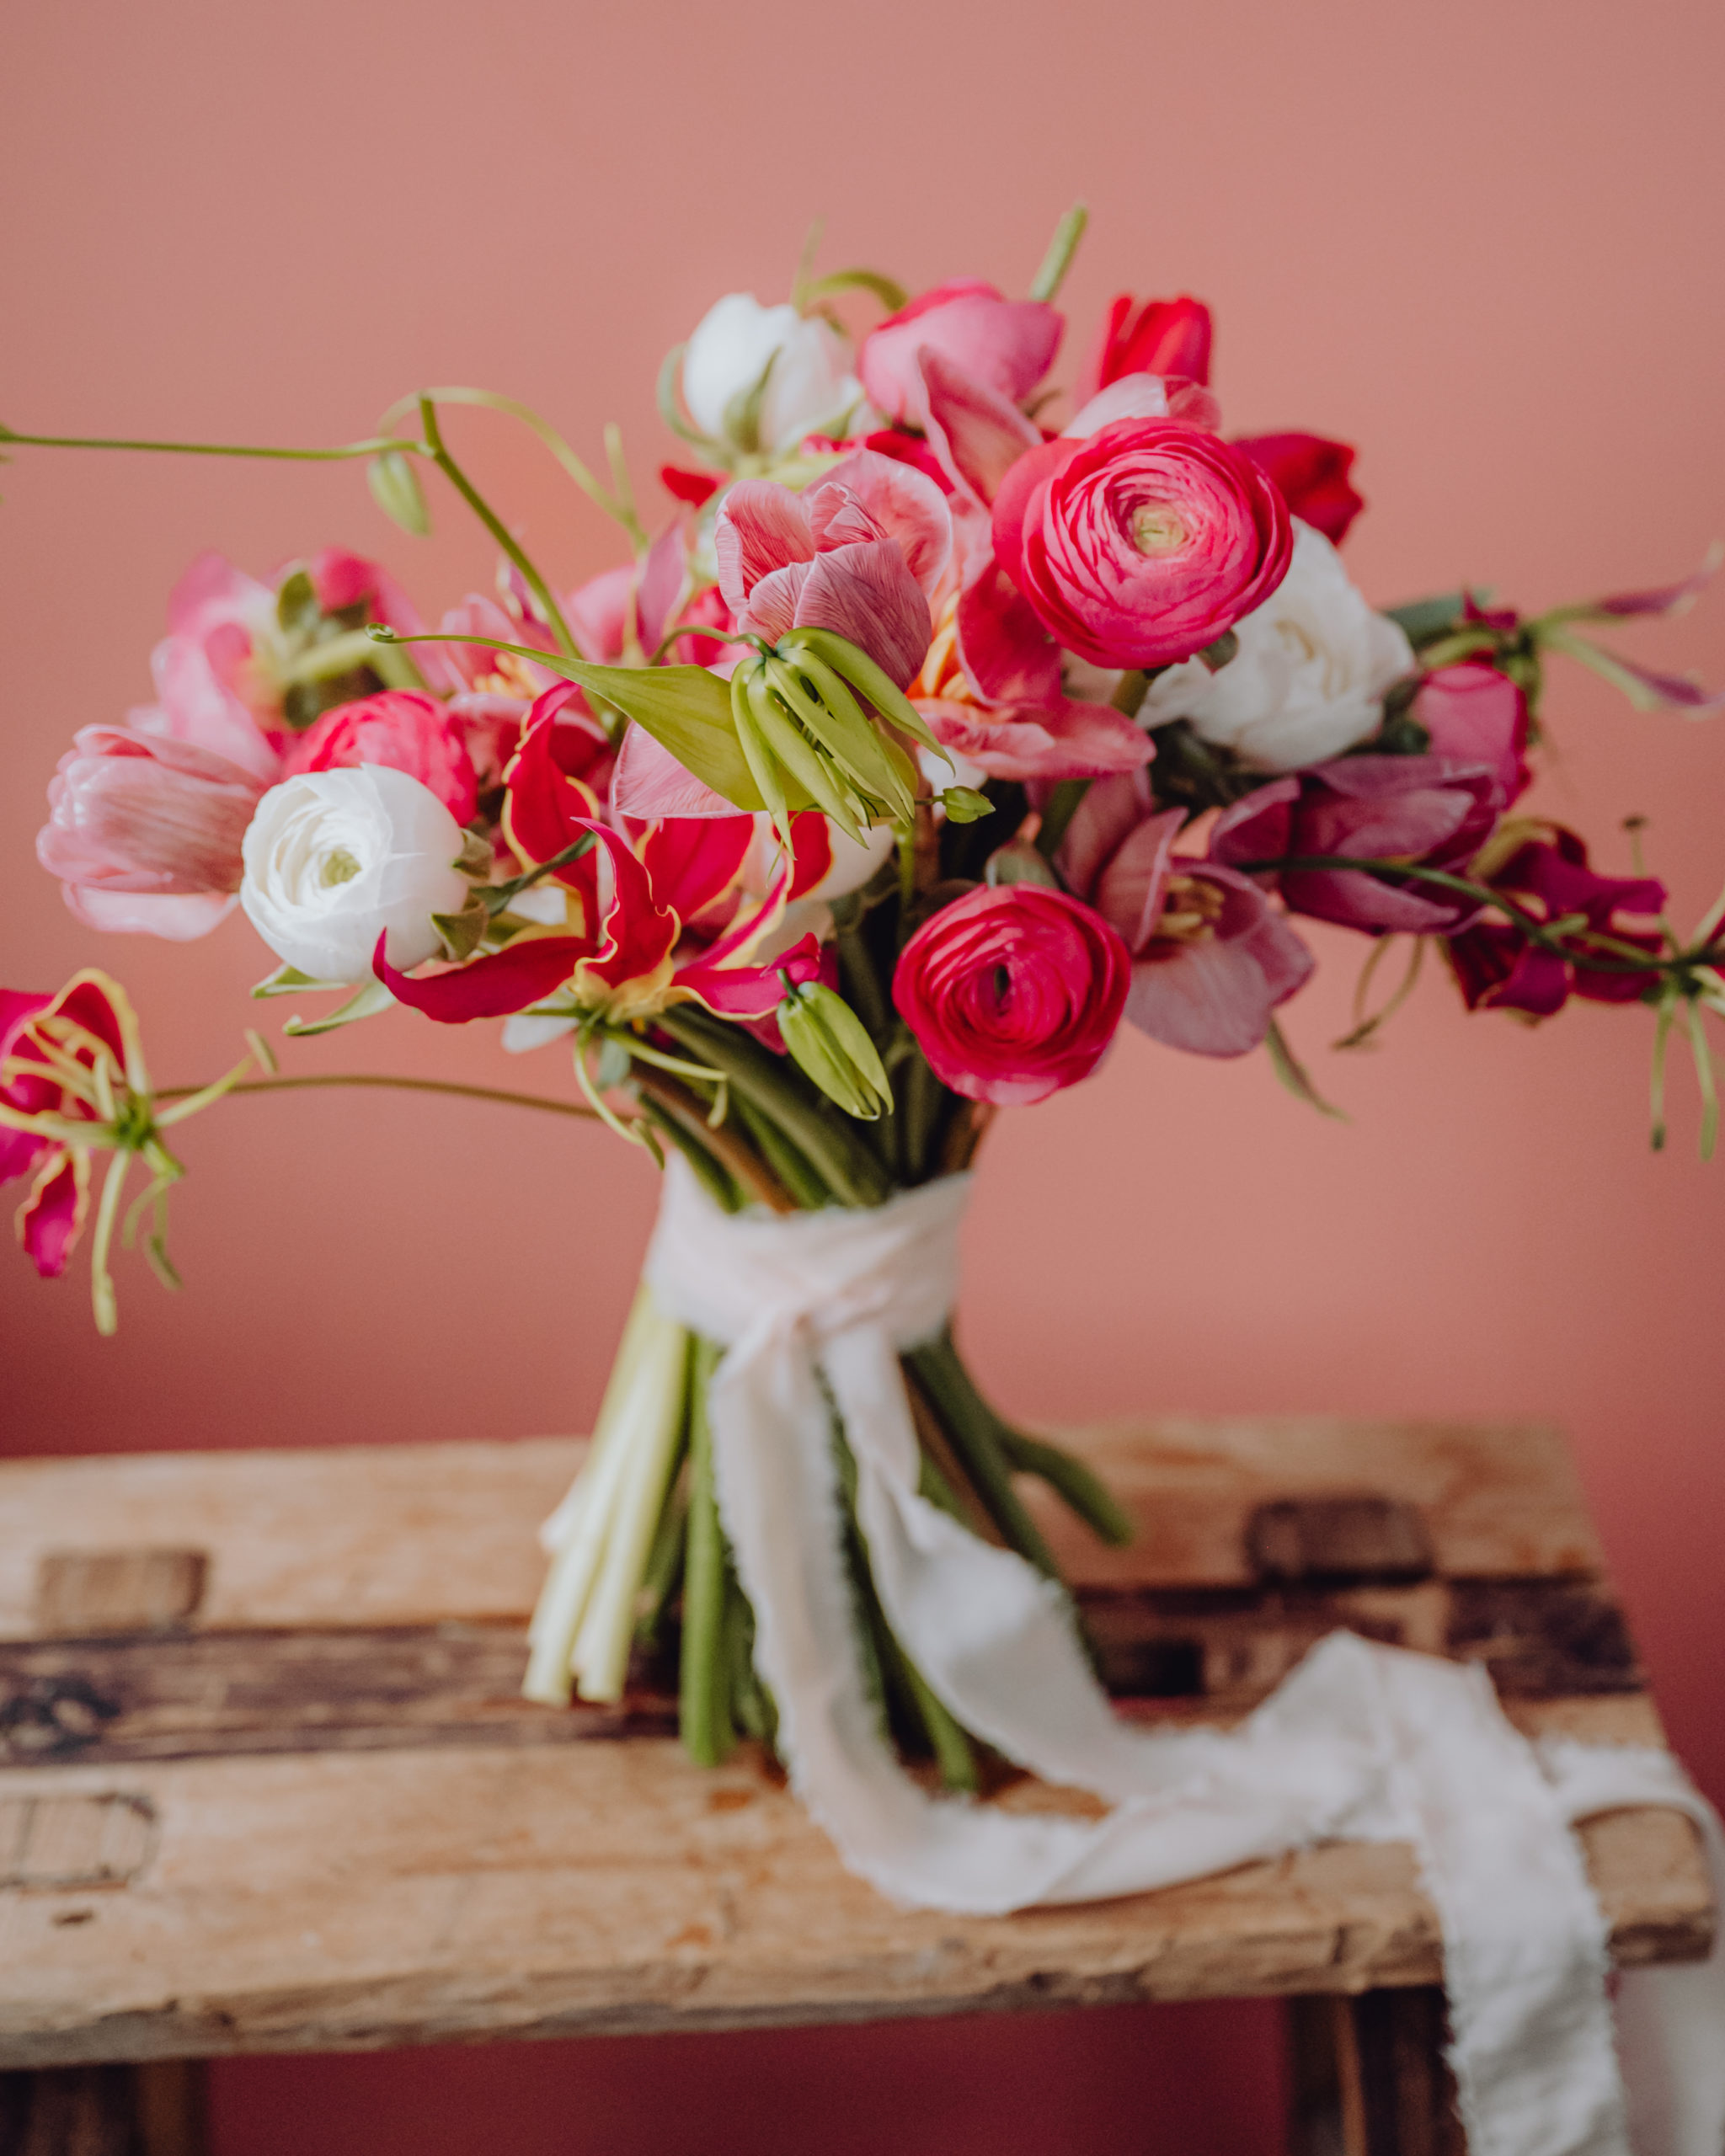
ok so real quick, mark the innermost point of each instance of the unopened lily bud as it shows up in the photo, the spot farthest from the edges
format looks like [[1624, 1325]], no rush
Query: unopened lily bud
[[964, 804], [828, 1042]]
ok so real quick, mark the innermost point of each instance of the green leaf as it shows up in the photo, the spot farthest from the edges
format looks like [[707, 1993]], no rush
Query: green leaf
[[287, 980], [395, 488], [370, 1000], [1422, 620]]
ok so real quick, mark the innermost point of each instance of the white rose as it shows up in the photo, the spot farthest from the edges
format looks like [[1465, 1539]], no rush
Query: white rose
[[810, 389], [1309, 678], [335, 859]]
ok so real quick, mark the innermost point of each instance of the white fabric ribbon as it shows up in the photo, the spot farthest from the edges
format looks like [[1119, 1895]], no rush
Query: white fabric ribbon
[[1360, 1740]]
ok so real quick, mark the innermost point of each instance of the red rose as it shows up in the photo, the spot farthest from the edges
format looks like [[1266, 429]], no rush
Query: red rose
[[1013, 992], [402, 730], [1142, 544]]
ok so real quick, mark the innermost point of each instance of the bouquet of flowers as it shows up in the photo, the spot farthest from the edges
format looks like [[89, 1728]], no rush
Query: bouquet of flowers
[[949, 718]]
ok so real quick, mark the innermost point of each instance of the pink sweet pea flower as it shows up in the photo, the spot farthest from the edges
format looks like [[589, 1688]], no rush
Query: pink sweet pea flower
[[1143, 544], [1496, 966], [1474, 714], [1013, 992], [1430, 811], [1162, 337], [1211, 958], [1310, 474], [1008, 346], [402, 729]]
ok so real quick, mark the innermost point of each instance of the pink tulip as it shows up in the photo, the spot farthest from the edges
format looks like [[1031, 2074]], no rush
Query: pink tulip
[[144, 831], [1310, 474], [1211, 958], [1164, 337], [1425, 810], [858, 554], [1013, 992], [402, 730], [1008, 346], [1142, 545]]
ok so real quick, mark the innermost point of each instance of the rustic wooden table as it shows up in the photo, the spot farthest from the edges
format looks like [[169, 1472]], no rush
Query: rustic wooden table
[[266, 1783]]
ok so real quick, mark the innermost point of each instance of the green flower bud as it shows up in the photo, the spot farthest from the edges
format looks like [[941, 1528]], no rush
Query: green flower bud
[[829, 1043], [395, 488], [964, 805]]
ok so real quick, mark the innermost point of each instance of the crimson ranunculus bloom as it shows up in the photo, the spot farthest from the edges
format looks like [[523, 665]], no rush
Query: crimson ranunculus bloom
[[1142, 544], [403, 731], [1310, 474], [1013, 992]]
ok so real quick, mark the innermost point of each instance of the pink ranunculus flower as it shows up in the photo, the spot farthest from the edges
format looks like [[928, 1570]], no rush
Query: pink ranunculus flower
[[144, 831], [402, 730], [1013, 992], [1143, 544], [1211, 958], [1433, 812], [1310, 474], [1164, 337], [1008, 346]]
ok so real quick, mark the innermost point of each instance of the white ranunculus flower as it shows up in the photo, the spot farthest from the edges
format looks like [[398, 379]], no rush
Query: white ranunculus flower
[[335, 859], [811, 388], [1309, 678]]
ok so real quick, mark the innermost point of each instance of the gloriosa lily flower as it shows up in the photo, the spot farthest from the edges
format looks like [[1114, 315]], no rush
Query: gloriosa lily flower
[[73, 1083], [623, 953]]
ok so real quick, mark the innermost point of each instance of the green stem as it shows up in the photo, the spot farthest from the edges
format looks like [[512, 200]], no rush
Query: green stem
[[1482, 894], [971, 1429], [1061, 249], [1079, 1487], [1704, 1078], [499, 532], [849, 1169], [705, 1719], [378, 446], [1062, 806], [613, 506], [783, 1158], [401, 1085], [720, 1186]]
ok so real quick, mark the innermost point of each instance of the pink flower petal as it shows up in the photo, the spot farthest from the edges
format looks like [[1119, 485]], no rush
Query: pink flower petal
[[761, 526], [177, 919], [649, 782], [896, 500], [866, 593], [977, 435], [50, 1217]]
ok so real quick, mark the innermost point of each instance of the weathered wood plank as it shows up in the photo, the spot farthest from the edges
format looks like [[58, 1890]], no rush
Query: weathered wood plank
[[405, 1535], [357, 1900], [155, 1696]]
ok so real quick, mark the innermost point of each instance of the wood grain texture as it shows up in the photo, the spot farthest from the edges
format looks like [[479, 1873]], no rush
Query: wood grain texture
[[447, 1879]]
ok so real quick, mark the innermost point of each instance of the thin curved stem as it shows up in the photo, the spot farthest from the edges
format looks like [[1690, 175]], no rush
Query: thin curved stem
[[499, 532], [400, 1084], [375, 447], [1536, 931]]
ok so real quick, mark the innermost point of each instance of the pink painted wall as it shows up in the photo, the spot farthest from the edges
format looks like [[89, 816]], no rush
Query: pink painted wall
[[1482, 242]]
